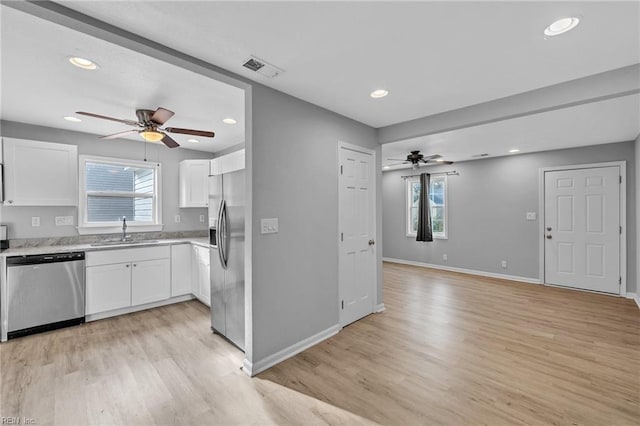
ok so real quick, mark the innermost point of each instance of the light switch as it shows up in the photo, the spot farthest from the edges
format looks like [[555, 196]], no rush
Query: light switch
[[202, 218], [35, 221], [531, 215], [177, 218], [269, 226], [64, 220]]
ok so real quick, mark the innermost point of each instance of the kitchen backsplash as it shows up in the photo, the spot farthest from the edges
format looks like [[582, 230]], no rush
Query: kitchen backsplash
[[88, 239]]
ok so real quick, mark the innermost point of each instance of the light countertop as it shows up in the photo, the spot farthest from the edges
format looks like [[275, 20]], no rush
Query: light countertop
[[25, 251]]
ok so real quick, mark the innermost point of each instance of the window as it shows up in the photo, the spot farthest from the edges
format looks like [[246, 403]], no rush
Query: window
[[437, 202], [111, 189]]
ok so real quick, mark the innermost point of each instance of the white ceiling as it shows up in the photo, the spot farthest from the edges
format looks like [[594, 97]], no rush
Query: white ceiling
[[40, 86], [431, 56], [614, 120]]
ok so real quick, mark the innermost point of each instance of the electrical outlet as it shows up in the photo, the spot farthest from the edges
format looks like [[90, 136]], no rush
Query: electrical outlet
[[269, 226], [35, 221], [531, 215], [177, 218], [202, 218], [445, 257], [504, 264]]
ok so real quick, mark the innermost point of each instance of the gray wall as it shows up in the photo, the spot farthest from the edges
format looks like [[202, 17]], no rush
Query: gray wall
[[487, 206], [18, 219], [295, 178]]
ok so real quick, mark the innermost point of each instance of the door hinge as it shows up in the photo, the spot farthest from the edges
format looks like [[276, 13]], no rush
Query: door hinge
[[341, 169], [343, 304], [620, 281], [620, 179], [342, 236], [621, 230]]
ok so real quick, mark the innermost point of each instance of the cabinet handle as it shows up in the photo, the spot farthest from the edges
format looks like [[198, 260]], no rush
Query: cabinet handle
[[10, 201], [134, 265], [127, 265]]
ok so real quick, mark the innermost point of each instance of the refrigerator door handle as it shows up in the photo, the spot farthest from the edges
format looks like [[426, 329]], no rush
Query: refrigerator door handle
[[219, 240], [225, 235]]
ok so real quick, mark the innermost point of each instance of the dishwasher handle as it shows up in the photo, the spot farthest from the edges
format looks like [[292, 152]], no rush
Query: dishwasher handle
[[38, 259]]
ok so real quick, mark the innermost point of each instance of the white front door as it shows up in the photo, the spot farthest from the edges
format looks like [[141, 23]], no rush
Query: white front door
[[357, 262], [582, 228]]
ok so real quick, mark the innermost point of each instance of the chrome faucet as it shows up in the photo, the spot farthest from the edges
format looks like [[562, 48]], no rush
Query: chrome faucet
[[124, 228]]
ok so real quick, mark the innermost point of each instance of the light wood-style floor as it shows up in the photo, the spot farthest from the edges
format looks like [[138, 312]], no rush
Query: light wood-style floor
[[450, 349]]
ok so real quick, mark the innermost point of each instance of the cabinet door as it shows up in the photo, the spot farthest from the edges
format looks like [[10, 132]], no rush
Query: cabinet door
[[40, 173], [150, 281], [181, 280], [194, 179], [231, 162], [201, 282], [108, 288]]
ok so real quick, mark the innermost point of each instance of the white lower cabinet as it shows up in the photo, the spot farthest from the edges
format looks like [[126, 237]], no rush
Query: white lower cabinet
[[117, 279], [201, 274], [108, 288], [150, 281], [181, 270]]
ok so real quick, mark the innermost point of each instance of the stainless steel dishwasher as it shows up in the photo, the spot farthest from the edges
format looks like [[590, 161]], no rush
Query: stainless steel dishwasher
[[44, 292]]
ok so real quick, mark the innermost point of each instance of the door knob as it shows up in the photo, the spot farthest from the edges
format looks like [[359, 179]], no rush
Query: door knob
[[549, 237], [371, 242], [548, 228]]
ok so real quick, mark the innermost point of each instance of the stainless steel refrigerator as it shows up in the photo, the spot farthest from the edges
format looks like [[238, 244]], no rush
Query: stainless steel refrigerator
[[226, 214]]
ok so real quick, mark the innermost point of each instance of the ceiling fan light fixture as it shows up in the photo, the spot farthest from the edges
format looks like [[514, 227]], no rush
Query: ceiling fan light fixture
[[415, 166], [151, 135], [84, 63]]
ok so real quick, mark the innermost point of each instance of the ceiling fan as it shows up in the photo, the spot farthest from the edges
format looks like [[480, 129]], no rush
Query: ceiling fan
[[416, 159], [148, 126]]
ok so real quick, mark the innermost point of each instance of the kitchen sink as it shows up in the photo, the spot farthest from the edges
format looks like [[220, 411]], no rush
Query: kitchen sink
[[123, 243]]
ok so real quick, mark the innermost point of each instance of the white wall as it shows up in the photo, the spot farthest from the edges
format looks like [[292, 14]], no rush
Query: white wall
[[637, 180], [18, 219], [488, 202]]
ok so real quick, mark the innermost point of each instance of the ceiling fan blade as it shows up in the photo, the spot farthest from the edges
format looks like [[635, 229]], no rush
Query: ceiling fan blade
[[119, 135], [168, 141], [104, 117], [437, 163], [432, 157], [396, 159], [397, 164], [202, 133], [161, 115]]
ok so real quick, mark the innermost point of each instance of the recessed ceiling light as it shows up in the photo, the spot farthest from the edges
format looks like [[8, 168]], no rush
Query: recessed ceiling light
[[439, 160], [229, 120], [84, 63], [561, 26], [386, 167], [514, 151], [193, 140], [380, 93], [72, 119]]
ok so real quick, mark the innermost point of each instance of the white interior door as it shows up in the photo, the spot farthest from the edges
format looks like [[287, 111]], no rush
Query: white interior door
[[357, 234], [582, 228]]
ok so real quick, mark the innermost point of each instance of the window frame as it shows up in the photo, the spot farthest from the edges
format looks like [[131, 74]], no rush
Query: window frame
[[445, 214], [86, 227]]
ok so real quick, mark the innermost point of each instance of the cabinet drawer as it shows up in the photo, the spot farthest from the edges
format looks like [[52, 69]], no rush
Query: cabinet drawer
[[105, 257]]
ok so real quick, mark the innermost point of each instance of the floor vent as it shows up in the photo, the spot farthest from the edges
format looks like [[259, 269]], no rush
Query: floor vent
[[262, 67]]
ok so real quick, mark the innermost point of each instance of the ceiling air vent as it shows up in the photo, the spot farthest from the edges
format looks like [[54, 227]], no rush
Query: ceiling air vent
[[479, 155], [262, 67]]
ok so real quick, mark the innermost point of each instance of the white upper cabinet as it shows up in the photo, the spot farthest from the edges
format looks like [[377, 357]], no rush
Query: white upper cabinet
[[40, 173], [194, 181], [227, 163]]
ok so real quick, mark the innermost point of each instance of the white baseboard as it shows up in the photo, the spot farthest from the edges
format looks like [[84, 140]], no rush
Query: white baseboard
[[378, 308], [254, 368], [635, 297], [464, 271], [130, 309]]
